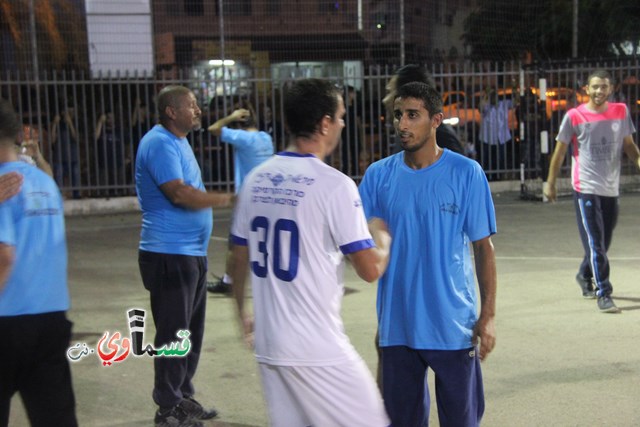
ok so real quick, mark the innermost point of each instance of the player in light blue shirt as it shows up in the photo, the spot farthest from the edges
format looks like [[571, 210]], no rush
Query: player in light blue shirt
[[436, 203], [251, 148], [34, 296]]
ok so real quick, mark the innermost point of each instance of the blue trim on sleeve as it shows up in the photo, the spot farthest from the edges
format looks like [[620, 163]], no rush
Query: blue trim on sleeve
[[238, 240], [352, 247]]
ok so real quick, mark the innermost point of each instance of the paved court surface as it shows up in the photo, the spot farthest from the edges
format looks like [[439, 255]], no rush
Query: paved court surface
[[558, 361]]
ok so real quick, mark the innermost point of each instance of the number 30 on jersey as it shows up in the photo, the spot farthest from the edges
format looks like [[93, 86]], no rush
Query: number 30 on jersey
[[282, 258]]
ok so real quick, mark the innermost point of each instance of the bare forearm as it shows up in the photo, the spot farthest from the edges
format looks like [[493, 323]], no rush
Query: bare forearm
[[239, 270], [237, 115], [216, 128], [371, 263], [190, 197], [98, 131], [485, 261], [196, 199], [632, 151], [556, 162], [6, 263]]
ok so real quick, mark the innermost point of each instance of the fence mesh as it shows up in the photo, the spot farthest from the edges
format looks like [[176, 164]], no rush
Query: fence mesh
[[83, 75]]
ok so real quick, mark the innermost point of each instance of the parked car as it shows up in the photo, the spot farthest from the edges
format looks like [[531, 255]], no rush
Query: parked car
[[458, 110], [559, 99]]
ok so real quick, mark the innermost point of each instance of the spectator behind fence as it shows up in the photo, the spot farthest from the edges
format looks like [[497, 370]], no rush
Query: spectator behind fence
[[269, 124], [294, 237], [34, 296], [436, 202], [110, 150], [495, 134], [251, 147], [598, 131], [352, 133], [139, 124], [176, 229], [29, 151], [66, 151]]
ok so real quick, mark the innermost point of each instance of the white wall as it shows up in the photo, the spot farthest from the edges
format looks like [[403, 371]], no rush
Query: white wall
[[120, 37]]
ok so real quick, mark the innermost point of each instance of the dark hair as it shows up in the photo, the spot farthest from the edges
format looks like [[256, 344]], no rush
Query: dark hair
[[413, 73], [429, 95], [10, 125], [601, 74], [249, 122], [307, 102], [168, 97]]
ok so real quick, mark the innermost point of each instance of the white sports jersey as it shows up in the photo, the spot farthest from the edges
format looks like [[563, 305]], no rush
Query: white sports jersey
[[299, 216], [596, 147]]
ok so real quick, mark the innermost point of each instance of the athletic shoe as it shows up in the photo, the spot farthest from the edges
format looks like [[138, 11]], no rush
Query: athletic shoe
[[175, 417], [606, 305], [194, 409], [219, 287], [587, 286]]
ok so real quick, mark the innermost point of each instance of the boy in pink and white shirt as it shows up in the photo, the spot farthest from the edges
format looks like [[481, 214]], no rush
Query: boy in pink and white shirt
[[598, 133]]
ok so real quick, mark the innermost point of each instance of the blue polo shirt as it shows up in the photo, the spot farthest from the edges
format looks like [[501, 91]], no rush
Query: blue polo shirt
[[168, 228]]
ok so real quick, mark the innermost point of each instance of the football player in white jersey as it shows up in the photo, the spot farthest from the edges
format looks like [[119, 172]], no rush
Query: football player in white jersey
[[295, 219]]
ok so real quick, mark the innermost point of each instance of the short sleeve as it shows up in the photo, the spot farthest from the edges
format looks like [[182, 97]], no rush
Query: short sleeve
[[236, 137], [164, 162], [368, 195], [346, 219], [566, 132], [627, 125], [480, 220]]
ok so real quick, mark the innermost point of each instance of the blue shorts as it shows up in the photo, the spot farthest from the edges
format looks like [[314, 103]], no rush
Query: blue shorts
[[458, 380]]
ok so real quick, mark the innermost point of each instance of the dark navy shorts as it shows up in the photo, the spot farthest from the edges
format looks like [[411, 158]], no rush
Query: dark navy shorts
[[458, 380]]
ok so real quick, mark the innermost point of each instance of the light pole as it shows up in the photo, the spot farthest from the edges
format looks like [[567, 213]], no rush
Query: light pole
[[402, 54], [35, 64], [574, 38]]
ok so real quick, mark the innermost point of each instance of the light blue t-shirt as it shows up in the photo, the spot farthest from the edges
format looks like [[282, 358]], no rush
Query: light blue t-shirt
[[32, 222], [250, 150], [427, 296], [168, 228]]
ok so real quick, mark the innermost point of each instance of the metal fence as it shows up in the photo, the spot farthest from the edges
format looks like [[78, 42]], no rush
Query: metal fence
[[89, 128]]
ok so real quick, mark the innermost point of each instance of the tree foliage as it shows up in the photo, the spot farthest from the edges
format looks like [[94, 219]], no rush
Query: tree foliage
[[506, 29], [61, 37]]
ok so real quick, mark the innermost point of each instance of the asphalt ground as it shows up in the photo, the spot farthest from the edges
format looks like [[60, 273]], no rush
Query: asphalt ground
[[558, 360]]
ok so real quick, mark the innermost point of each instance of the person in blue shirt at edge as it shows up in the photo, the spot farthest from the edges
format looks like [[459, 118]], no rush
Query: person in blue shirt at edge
[[251, 147], [34, 295], [435, 203], [177, 221]]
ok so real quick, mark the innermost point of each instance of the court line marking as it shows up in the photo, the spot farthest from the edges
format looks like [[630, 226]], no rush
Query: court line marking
[[555, 258]]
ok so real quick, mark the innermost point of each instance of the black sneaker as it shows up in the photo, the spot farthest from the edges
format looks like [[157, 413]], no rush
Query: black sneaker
[[175, 417], [219, 287], [194, 409], [587, 286], [606, 305]]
